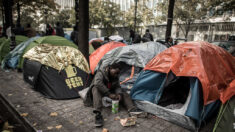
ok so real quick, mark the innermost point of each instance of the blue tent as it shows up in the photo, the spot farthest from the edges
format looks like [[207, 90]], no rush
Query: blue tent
[[173, 98]]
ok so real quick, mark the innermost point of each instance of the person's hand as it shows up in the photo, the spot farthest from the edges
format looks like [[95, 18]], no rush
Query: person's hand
[[119, 97], [112, 96]]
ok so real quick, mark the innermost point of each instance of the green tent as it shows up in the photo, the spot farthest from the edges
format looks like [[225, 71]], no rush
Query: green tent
[[2, 39], [226, 118], [5, 46], [53, 40]]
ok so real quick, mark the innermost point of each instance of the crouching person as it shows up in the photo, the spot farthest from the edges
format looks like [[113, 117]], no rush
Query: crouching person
[[106, 83]]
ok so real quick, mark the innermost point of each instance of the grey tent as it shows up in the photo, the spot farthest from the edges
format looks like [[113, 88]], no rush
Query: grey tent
[[132, 58]]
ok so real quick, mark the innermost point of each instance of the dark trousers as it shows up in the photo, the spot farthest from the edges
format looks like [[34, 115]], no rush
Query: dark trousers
[[97, 100]]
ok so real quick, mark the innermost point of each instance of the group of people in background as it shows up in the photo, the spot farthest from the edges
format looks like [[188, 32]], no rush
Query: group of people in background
[[29, 31], [136, 38]]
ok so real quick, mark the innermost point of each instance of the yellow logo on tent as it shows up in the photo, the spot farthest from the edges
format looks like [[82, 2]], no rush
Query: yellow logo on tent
[[71, 71], [73, 80]]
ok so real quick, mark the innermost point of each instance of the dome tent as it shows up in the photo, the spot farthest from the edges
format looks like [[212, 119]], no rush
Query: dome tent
[[101, 51], [132, 58], [14, 58], [5, 46], [57, 70], [179, 84]]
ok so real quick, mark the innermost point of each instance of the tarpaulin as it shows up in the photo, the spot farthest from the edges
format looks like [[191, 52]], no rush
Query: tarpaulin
[[96, 56], [57, 57], [213, 66]]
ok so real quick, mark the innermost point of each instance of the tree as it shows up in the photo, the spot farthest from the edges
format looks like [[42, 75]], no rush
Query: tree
[[105, 14], [169, 19], [84, 28], [34, 7], [144, 16], [185, 13]]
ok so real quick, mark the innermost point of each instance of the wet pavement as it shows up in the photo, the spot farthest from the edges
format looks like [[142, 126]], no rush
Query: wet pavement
[[71, 115]]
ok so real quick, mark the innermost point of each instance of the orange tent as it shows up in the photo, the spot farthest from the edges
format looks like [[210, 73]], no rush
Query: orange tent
[[101, 51], [213, 66]]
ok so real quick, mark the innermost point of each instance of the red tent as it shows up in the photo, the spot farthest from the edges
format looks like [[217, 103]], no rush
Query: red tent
[[213, 66], [100, 52]]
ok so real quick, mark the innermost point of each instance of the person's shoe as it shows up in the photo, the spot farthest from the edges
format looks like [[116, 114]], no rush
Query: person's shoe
[[137, 112], [99, 121]]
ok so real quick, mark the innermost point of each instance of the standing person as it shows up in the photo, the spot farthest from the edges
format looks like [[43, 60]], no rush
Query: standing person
[[106, 40], [135, 37], [147, 36], [59, 30], [106, 83], [19, 30], [169, 42], [49, 30], [29, 31], [74, 35]]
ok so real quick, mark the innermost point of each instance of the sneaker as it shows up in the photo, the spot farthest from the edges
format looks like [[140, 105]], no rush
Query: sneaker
[[99, 121], [138, 113]]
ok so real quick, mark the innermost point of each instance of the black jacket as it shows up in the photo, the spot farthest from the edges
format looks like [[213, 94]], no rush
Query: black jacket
[[100, 81]]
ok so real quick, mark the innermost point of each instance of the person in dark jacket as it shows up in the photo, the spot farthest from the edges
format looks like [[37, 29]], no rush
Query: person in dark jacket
[[147, 36], [59, 30], [29, 31], [49, 30], [135, 37], [74, 35], [106, 83]]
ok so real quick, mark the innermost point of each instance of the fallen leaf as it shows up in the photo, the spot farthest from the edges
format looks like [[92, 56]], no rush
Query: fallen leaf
[[58, 126], [105, 130], [24, 114], [80, 122], [34, 124], [117, 118], [50, 127], [105, 119], [10, 94], [53, 114]]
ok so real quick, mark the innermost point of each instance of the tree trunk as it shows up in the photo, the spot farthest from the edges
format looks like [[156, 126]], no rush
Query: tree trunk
[[76, 13], [83, 35], [170, 18], [188, 24], [3, 22], [18, 14], [136, 1], [7, 4]]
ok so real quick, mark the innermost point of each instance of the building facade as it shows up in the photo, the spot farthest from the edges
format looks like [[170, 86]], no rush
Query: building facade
[[65, 4]]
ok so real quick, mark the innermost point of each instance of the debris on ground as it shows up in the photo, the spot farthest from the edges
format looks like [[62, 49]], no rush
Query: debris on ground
[[117, 118], [24, 114], [130, 121], [81, 122], [34, 124], [7, 127], [58, 126], [50, 127], [105, 130], [53, 114]]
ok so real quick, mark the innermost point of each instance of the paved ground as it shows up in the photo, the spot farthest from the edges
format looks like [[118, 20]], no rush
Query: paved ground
[[72, 115]]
